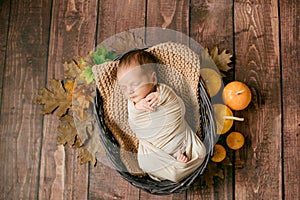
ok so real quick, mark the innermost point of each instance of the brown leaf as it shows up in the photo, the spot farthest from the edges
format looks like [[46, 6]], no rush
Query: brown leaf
[[83, 97], [78, 142], [72, 69], [85, 156], [221, 60], [68, 132], [57, 98]]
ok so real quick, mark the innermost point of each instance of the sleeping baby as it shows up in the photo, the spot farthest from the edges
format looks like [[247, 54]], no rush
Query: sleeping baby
[[168, 148]]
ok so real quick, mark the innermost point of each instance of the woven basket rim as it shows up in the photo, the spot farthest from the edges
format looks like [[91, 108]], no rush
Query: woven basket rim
[[146, 183]]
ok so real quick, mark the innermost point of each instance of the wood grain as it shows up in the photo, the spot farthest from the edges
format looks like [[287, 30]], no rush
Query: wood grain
[[72, 33], [167, 14], [211, 25], [76, 176], [114, 17], [290, 54], [106, 183], [257, 64], [4, 18], [21, 123]]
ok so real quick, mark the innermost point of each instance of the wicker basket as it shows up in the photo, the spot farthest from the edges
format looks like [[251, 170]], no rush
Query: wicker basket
[[120, 143]]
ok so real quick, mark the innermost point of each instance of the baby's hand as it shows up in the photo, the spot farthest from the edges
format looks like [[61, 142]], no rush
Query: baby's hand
[[144, 105], [148, 103], [152, 99]]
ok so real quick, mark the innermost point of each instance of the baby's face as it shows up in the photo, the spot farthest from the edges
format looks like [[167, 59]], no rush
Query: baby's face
[[135, 84]]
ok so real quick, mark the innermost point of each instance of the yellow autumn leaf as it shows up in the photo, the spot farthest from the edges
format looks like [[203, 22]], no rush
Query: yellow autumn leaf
[[69, 85]]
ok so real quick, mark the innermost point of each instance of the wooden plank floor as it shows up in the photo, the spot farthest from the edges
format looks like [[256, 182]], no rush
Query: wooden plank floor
[[37, 37]]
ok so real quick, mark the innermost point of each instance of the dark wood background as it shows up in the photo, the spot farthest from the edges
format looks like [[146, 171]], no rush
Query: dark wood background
[[37, 36]]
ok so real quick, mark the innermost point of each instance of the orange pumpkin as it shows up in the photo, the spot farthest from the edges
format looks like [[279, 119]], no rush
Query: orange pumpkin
[[236, 95], [235, 140], [224, 118], [219, 153]]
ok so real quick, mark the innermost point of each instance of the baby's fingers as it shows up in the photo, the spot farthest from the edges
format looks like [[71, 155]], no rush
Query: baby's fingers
[[142, 105], [153, 102], [149, 97], [148, 108], [153, 95]]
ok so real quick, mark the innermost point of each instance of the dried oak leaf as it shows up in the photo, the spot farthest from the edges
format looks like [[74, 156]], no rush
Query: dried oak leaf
[[85, 156], [68, 132], [83, 96], [80, 112], [212, 170], [72, 69], [221, 60], [57, 98]]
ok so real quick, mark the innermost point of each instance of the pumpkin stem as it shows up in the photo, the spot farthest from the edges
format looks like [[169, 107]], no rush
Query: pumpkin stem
[[240, 92], [234, 118]]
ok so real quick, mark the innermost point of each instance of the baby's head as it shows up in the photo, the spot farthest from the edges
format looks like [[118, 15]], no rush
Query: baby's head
[[136, 74]]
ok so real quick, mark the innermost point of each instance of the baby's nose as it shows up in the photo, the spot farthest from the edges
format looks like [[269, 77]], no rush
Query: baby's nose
[[130, 90]]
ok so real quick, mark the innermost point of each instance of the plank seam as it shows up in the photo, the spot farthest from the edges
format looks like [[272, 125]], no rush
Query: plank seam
[[43, 117], [234, 56], [4, 60], [189, 24], [146, 22], [97, 23], [281, 101], [95, 46], [145, 19], [3, 76], [88, 185]]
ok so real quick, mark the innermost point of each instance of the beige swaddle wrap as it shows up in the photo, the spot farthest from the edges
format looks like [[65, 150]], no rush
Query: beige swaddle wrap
[[161, 134]]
